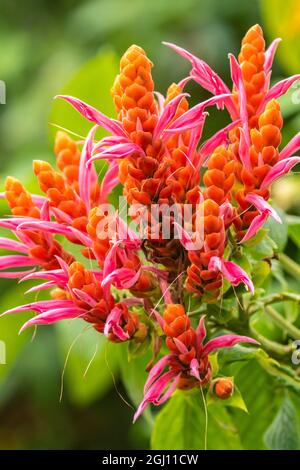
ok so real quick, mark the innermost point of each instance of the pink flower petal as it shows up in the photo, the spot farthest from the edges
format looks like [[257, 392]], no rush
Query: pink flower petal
[[278, 90], [156, 371], [40, 287], [194, 366], [201, 331], [52, 316], [290, 148], [167, 115], [94, 115], [14, 274], [39, 306], [112, 324], [86, 172], [231, 271], [109, 182], [263, 206], [153, 394], [190, 118], [281, 168], [203, 74], [122, 278], [187, 241], [117, 151], [270, 53], [88, 299], [219, 138], [10, 244], [226, 341], [15, 261], [255, 225]]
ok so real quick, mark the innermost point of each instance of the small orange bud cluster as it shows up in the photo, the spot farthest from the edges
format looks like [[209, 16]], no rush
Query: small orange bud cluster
[[44, 249], [223, 388]]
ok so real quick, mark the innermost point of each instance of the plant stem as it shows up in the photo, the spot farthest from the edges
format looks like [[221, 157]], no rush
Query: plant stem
[[292, 330], [280, 297], [272, 346], [290, 266]]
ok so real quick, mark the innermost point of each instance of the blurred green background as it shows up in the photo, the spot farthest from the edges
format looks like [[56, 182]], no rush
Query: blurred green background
[[73, 46]]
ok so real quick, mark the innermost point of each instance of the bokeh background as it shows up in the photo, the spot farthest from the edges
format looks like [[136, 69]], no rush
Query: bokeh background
[[53, 46]]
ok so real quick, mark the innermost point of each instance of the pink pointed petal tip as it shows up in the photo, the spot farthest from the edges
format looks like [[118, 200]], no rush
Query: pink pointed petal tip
[[187, 240], [278, 90], [190, 119], [86, 173], [167, 115], [54, 315], [290, 148], [226, 341], [270, 53], [232, 272], [94, 115], [281, 168], [265, 210], [155, 393]]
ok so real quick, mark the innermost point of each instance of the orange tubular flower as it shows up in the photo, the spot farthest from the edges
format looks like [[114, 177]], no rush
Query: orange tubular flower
[[200, 279], [145, 177], [264, 154], [252, 61], [219, 177]]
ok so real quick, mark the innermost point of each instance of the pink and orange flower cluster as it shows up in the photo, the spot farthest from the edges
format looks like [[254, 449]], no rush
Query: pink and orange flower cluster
[[154, 151]]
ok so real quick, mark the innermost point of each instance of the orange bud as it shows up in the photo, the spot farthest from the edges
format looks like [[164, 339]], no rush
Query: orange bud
[[224, 388]]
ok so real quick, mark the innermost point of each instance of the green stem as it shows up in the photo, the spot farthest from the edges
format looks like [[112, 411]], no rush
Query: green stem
[[280, 297], [290, 266], [292, 330], [272, 346]]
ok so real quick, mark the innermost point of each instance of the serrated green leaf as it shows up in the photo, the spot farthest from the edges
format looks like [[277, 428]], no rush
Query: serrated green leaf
[[258, 391], [283, 433]]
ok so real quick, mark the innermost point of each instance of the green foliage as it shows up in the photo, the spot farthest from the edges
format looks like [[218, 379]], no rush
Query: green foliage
[[282, 20], [89, 362], [92, 83], [283, 433], [181, 425]]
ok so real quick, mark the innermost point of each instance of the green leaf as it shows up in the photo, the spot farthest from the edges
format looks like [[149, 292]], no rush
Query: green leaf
[[294, 233], [92, 84], [264, 325], [283, 433], [282, 20], [90, 361], [180, 425], [258, 391]]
